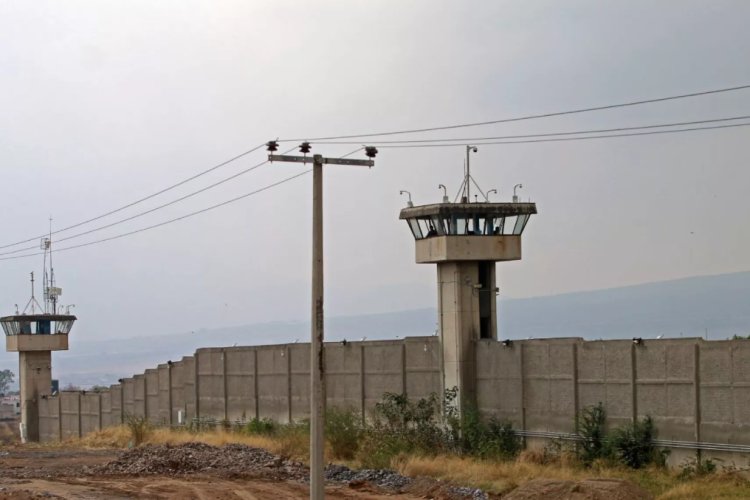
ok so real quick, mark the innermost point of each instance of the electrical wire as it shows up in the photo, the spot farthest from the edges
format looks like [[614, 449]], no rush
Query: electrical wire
[[468, 140], [562, 139], [176, 219], [170, 221], [141, 214], [140, 200], [527, 117]]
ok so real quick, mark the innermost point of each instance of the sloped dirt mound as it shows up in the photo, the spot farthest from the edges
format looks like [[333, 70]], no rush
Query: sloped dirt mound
[[589, 489], [229, 460], [236, 460]]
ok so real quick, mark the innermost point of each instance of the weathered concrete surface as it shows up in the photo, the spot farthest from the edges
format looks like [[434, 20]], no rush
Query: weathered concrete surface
[[90, 417], [70, 414], [36, 342], [35, 381], [456, 248], [696, 391]]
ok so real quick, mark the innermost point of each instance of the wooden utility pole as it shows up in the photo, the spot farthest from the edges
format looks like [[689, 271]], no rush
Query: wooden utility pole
[[317, 354]]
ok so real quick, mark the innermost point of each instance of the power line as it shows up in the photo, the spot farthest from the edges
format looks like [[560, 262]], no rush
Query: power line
[[563, 139], [186, 216], [527, 117], [467, 140], [170, 221], [140, 200], [146, 212]]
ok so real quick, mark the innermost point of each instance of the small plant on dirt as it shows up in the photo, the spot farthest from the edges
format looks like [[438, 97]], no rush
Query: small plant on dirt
[[697, 467], [343, 432], [590, 425], [139, 428]]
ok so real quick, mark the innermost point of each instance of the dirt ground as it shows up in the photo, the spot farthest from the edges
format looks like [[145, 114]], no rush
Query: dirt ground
[[32, 472], [234, 471], [66, 473]]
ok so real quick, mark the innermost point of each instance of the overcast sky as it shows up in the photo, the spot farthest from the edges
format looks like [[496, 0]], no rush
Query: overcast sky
[[105, 102]]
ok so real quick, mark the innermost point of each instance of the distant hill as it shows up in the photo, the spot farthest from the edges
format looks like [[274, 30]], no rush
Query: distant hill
[[688, 307], [720, 304]]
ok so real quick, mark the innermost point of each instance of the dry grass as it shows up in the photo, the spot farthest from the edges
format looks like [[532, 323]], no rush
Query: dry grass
[[292, 445], [501, 477], [491, 476]]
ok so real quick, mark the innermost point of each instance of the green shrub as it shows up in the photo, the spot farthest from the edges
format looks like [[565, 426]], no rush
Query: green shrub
[[493, 439], [343, 432], [590, 425], [403, 426], [258, 426], [632, 444], [139, 428], [501, 442]]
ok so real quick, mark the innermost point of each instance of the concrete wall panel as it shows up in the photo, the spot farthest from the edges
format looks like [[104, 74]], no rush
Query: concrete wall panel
[[343, 376], [48, 419], [116, 414], [128, 394], [299, 371], [164, 394], [273, 384], [210, 364], [499, 384], [240, 371], [383, 371], [422, 366], [70, 414], [107, 408], [187, 377], [139, 395], [549, 385], [90, 412], [151, 391]]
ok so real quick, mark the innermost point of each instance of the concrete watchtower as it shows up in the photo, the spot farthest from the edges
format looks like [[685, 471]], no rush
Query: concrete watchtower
[[465, 240], [34, 334]]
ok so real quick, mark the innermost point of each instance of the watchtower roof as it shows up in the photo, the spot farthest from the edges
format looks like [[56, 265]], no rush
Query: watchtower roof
[[472, 209], [475, 219]]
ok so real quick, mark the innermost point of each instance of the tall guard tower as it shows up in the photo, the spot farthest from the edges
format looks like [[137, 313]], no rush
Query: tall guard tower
[[34, 334], [465, 239]]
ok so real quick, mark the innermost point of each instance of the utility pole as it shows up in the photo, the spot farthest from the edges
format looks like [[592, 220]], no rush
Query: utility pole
[[317, 355]]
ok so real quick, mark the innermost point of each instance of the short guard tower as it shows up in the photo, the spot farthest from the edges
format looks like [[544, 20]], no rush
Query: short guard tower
[[465, 240], [34, 334]]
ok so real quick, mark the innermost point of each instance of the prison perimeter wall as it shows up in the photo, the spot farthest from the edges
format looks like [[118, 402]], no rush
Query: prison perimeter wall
[[697, 392]]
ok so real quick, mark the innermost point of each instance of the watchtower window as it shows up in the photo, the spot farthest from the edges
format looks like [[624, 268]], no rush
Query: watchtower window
[[415, 229], [520, 223]]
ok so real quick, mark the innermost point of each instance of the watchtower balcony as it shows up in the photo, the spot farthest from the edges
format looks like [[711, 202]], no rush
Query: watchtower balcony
[[446, 232], [37, 332]]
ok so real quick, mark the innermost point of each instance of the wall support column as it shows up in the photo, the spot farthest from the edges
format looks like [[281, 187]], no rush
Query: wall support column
[[225, 389], [169, 393], [362, 402], [634, 383], [255, 384], [697, 392], [59, 416], [196, 389]]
